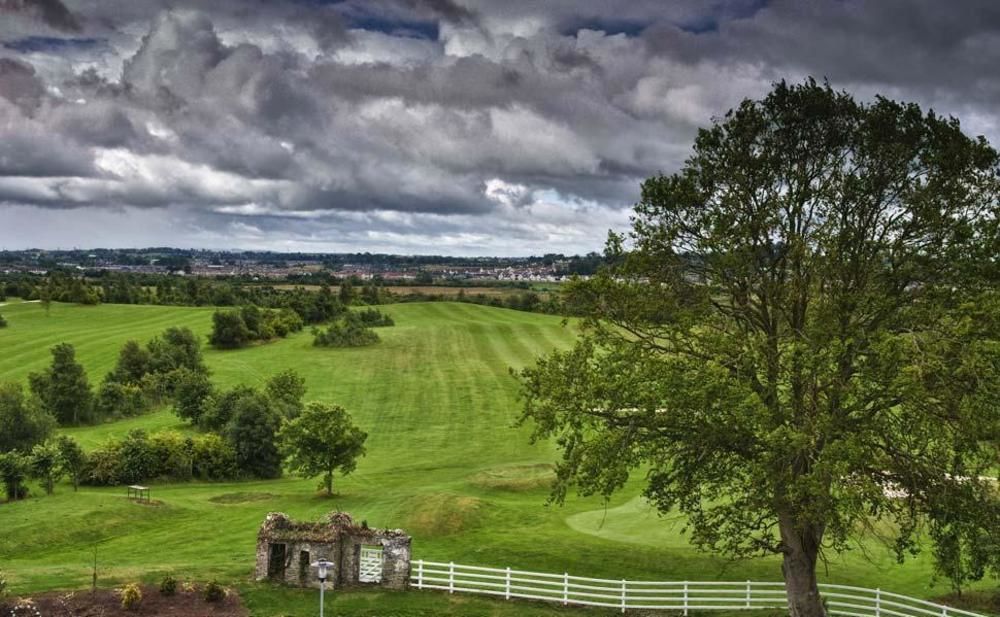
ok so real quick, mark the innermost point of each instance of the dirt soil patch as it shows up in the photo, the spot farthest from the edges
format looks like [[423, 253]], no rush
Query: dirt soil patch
[[107, 603]]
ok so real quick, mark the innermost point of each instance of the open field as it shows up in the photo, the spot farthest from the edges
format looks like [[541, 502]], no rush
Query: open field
[[445, 462]]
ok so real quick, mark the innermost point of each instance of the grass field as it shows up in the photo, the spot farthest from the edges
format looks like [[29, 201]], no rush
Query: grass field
[[445, 462]]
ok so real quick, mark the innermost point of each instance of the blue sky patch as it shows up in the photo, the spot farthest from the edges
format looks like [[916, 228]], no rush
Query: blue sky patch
[[49, 43]]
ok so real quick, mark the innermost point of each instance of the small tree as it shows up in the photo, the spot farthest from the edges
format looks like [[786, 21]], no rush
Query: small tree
[[43, 463], [229, 330], [322, 440], [13, 470], [22, 422], [253, 434], [72, 459], [174, 348], [133, 364], [286, 390], [63, 388], [192, 392]]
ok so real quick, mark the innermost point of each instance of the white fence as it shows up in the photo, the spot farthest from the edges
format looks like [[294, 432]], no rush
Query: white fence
[[666, 595]]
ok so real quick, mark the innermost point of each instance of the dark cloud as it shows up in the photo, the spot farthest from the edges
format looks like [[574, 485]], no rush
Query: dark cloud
[[423, 125], [20, 85], [53, 12]]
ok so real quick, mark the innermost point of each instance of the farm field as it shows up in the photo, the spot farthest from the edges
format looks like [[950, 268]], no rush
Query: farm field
[[445, 462]]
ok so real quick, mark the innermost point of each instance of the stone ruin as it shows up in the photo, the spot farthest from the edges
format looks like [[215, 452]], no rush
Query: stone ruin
[[361, 555]]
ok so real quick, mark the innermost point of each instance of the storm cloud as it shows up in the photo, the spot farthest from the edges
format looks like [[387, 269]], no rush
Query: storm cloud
[[417, 126]]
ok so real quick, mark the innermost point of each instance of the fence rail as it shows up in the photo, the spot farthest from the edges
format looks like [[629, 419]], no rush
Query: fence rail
[[681, 596]]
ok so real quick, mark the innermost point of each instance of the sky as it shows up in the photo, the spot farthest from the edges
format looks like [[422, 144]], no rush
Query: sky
[[450, 127]]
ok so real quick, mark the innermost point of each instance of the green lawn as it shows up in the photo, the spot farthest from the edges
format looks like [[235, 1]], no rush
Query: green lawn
[[445, 461]]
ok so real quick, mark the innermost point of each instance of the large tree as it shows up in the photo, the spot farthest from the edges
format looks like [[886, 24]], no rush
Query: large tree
[[799, 338], [322, 440]]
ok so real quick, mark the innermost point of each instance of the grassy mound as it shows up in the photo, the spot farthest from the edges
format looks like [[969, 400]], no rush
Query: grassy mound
[[438, 514], [242, 497], [515, 477]]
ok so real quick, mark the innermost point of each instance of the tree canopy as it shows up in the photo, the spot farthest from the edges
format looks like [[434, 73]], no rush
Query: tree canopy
[[799, 338]]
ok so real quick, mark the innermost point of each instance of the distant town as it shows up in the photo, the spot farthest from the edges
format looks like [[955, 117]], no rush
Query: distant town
[[305, 267]]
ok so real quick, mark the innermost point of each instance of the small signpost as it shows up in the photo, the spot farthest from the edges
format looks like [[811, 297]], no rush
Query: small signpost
[[138, 493]]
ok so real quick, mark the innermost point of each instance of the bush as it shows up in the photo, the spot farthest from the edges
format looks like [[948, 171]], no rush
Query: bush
[[131, 596], [140, 457], [3, 322], [349, 334], [213, 592], [118, 400], [168, 586], [373, 318], [13, 471], [213, 458]]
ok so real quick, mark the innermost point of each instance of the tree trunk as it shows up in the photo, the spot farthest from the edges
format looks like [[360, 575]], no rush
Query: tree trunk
[[328, 480], [801, 550]]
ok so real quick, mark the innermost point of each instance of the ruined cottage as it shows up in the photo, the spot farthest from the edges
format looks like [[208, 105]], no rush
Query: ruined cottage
[[286, 550]]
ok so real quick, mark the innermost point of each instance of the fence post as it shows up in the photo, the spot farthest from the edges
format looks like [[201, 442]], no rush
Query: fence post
[[565, 588], [451, 577], [685, 598], [878, 602], [624, 596], [748, 594], [420, 574], [507, 587]]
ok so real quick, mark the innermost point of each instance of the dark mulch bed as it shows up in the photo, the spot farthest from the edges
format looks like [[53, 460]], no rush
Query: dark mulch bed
[[107, 603]]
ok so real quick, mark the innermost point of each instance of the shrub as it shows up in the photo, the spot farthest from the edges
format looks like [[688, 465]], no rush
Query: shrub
[[373, 318], [213, 592], [13, 471], [140, 457], [25, 607], [118, 400], [349, 334], [213, 458], [131, 596], [168, 586], [3, 322]]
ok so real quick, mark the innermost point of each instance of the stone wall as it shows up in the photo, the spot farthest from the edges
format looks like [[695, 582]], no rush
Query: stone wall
[[338, 540]]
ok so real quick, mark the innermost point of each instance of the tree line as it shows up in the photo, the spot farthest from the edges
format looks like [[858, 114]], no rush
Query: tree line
[[311, 306]]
